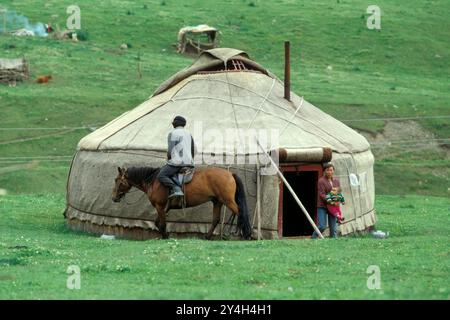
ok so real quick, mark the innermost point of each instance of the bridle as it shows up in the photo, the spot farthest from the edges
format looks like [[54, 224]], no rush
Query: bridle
[[136, 190], [124, 180]]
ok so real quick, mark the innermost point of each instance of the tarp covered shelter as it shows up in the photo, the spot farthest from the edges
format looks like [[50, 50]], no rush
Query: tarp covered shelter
[[197, 39], [12, 70], [223, 89]]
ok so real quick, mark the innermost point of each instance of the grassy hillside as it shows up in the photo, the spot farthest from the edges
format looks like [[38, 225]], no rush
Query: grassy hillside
[[337, 64], [36, 249]]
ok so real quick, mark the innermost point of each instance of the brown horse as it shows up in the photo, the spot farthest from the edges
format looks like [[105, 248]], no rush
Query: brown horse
[[212, 184]]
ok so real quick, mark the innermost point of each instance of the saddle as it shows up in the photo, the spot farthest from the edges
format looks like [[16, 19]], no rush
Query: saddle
[[183, 177]]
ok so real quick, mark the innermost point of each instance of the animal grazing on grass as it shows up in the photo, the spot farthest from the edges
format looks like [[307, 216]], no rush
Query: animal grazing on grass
[[43, 79]]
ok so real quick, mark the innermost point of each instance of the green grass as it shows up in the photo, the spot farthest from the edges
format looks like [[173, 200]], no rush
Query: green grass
[[400, 71], [36, 249]]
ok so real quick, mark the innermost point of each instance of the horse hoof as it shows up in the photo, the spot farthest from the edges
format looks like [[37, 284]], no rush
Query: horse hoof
[[206, 237]]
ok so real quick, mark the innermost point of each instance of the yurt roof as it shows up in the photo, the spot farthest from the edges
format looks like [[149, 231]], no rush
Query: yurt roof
[[250, 99]]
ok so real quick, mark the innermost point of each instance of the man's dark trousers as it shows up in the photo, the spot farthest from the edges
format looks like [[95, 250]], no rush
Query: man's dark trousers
[[165, 174]]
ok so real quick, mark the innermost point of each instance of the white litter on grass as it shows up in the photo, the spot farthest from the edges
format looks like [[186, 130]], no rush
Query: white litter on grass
[[3, 192], [380, 234], [107, 237]]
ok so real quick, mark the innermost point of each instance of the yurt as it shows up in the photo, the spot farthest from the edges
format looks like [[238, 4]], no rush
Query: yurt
[[229, 101]]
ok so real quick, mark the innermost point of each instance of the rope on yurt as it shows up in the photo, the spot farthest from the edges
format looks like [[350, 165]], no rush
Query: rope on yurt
[[134, 120], [266, 98], [293, 117], [236, 124], [268, 113], [261, 104], [231, 97], [257, 162], [280, 107], [251, 91], [241, 105]]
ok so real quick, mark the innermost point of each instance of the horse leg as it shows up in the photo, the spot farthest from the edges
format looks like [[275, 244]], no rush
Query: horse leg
[[216, 218], [157, 222], [232, 205], [162, 221]]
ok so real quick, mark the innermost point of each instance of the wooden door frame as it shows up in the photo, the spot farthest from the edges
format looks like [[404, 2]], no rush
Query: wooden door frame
[[294, 167]]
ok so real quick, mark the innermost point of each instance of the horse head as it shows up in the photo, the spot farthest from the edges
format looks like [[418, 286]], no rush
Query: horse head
[[121, 185]]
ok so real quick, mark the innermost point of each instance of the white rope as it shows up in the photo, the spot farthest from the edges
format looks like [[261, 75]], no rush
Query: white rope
[[247, 89], [276, 116], [262, 103], [237, 126], [293, 116]]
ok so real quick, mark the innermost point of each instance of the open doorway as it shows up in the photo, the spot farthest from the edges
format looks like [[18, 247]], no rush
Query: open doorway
[[294, 221]]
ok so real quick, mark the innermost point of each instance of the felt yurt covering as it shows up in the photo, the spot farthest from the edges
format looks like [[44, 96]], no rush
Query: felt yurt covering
[[223, 89]]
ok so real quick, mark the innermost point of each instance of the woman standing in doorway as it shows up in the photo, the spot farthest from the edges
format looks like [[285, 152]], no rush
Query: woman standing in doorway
[[325, 184]]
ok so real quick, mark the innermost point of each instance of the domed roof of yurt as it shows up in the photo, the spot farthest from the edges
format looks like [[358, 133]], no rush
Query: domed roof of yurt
[[222, 90]]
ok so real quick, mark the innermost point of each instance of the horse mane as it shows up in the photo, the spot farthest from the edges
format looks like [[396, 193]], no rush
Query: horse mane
[[139, 174]]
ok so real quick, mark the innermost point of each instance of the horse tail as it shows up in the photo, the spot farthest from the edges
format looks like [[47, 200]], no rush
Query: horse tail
[[243, 222]]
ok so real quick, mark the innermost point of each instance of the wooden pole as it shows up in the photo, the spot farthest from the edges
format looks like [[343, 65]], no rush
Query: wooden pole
[[292, 192], [258, 198], [139, 71], [287, 71]]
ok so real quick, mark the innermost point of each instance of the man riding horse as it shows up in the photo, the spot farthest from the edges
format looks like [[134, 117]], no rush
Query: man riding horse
[[180, 154], [212, 184]]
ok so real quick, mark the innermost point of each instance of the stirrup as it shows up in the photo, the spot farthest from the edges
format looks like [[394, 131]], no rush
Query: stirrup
[[175, 202], [177, 193]]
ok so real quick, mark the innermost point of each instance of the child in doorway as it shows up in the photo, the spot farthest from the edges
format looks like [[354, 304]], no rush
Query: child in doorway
[[334, 199]]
